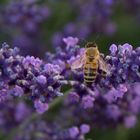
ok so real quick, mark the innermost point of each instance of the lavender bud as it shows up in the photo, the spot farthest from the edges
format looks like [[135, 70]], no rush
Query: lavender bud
[[41, 79], [40, 107]]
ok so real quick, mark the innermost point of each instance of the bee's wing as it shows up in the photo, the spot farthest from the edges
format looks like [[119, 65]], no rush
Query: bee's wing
[[79, 62], [103, 65]]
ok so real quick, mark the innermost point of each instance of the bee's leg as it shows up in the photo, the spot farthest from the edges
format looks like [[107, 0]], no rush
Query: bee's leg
[[103, 74], [96, 79], [100, 75]]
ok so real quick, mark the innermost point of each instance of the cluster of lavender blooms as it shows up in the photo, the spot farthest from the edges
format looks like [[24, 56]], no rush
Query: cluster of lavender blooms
[[16, 115], [25, 14], [90, 16], [94, 17], [28, 77], [42, 130], [63, 55], [13, 114], [40, 82], [110, 101], [117, 94], [24, 18]]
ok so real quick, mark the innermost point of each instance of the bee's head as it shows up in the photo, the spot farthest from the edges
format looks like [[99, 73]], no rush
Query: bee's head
[[92, 50], [90, 45]]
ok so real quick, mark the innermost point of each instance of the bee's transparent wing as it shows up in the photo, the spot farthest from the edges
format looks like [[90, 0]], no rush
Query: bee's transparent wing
[[79, 62], [103, 66]]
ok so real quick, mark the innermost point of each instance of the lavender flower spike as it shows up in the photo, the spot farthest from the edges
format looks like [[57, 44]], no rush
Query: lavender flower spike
[[28, 76], [113, 49], [113, 98], [70, 41]]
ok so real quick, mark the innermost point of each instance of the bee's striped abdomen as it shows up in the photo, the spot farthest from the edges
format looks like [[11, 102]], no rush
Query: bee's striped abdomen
[[90, 72]]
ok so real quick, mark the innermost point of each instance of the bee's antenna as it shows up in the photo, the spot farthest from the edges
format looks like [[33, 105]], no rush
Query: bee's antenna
[[89, 44], [83, 40], [97, 36]]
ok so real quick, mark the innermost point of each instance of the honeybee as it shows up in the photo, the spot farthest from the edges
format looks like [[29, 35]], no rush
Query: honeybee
[[92, 63]]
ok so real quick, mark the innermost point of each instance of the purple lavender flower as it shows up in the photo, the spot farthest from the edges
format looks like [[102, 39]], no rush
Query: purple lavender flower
[[135, 105], [27, 15], [17, 91], [22, 111], [12, 114], [113, 49], [41, 79], [126, 48], [114, 94], [87, 102], [84, 128], [88, 22], [52, 131], [130, 121], [24, 18], [73, 97], [112, 88], [113, 111], [70, 41], [31, 60], [137, 89], [50, 68], [63, 56], [110, 101], [74, 131], [3, 92], [29, 76], [40, 107]]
